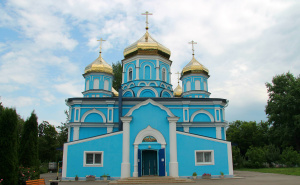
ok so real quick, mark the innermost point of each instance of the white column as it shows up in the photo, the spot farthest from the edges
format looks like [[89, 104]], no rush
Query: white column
[[75, 133], [157, 70], [125, 166], [173, 165], [218, 132], [135, 172]]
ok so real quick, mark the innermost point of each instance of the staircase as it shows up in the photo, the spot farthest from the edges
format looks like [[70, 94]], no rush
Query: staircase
[[151, 180]]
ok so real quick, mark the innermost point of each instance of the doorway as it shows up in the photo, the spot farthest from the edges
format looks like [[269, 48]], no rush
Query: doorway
[[149, 162]]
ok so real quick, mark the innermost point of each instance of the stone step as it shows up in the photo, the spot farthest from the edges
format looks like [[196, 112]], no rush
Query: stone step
[[151, 180]]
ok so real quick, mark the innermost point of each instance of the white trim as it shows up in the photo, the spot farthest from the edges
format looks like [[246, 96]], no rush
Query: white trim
[[129, 91], [75, 114], [168, 91], [204, 112], [163, 76], [203, 137], [108, 114], [93, 138], [186, 116], [93, 152], [153, 103], [144, 88], [93, 111], [65, 160], [218, 132], [128, 80], [149, 131], [142, 82], [152, 82], [205, 163], [229, 153]]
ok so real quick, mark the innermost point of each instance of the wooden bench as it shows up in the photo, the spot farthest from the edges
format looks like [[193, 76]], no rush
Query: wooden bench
[[36, 182]]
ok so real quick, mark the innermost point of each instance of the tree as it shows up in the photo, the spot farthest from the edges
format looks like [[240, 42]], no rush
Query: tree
[[283, 110], [8, 146], [290, 157], [47, 142], [117, 70], [245, 134], [256, 157], [29, 143]]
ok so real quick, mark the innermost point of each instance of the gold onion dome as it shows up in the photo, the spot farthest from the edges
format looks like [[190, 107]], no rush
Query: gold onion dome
[[98, 66], [115, 92], [147, 46], [178, 91], [194, 67]]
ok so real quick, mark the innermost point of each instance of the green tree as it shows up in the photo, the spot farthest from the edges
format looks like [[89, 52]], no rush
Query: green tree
[[245, 134], [47, 142], [8, 146], [117, 70], [238, 159], [256, 157], [290, 157], [283, 110], [29, 143]]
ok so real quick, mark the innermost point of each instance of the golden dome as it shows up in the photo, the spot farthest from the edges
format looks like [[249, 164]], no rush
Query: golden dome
[[147, 45], [99, 65], [115, 92], [194, 67], [178, 91]]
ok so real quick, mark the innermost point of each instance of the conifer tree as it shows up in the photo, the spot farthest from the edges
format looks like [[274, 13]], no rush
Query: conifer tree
[[29, 143], [8, 146]]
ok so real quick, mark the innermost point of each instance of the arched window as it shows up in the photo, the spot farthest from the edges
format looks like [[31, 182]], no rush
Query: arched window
[[87, 85], [163, 74], [96, 83], [106, 83], [188, 86], [130, 74], [147, 72], [149, 139], [197, 85], [205, 86]]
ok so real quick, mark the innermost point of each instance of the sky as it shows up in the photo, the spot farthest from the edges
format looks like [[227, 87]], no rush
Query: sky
[[45, 46]]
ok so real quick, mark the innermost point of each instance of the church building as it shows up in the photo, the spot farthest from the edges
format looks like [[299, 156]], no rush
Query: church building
[[147, 128]]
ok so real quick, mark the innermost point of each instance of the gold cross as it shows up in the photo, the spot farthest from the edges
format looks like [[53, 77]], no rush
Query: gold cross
[[101, 40], [147, 13], [193, 42], [178, 76]]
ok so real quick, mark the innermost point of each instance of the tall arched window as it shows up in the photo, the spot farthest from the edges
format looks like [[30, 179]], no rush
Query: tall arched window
[[163, 74], [87, 85], [188, 86], [96, 83], [106, 83], [147, 72], [197, 85], [130, 74]]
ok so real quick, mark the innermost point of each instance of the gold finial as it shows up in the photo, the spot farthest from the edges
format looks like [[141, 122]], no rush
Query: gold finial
[[178, 76], [193, 42], [147, 13], [101, 40]]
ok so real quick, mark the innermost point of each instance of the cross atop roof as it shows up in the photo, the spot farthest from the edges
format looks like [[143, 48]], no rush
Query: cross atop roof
[[147, 13], [101, 40], [193, 42]]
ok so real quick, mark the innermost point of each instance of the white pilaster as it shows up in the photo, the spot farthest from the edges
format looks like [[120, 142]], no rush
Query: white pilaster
[[125, 166], [123, 77], [135, 172], [75, 133], [109, 127], [170, 76], [137, 69], [157, 69], [173, 165], [218, 132]]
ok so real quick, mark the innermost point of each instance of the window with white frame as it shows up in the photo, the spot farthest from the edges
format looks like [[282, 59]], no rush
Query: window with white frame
[[130, 74], [163, 75], [204, 157], [93, 158]]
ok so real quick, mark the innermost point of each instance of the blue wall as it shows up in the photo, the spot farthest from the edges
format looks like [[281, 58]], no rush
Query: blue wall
[[204, 131], [186, 146], [85, 132], [112, 157]]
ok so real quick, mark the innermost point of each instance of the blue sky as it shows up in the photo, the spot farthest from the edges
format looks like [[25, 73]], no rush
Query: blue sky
[[45, 46]]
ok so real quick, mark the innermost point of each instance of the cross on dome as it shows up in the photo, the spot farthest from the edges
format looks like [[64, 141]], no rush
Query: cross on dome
[[178, 76], [193, 42], [101, 40], [147, 13]]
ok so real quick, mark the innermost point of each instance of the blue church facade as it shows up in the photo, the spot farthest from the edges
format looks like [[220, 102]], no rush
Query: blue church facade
[[146, 128]]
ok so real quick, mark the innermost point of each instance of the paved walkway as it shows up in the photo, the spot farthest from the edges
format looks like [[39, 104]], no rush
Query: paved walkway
[[246, 178]]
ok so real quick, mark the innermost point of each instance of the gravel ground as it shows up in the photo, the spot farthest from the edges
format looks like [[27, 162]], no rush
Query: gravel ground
[[243, 178]]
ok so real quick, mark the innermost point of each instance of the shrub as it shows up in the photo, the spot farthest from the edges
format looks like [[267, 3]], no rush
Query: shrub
[[27, 174], [256, 157], [272, 154], [238, 160], [290, 157]]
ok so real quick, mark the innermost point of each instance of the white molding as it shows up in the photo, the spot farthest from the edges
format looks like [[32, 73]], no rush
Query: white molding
[[204, 112], [93, 111], [149, 131], [149, 88], [203, 137], [205, 163], [146, 84], [186, 117], [153, 103], [93, 165], [168, 91], [108, 114], [229, 153], [129, 91], [218, 132], [145, 71], [65, 160], [147, 57], [93, 138]]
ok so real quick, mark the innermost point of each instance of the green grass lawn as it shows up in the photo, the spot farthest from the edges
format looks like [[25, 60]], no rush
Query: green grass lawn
[[285, 171]]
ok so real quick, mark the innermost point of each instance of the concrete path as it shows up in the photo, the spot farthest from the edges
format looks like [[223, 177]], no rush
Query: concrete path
[[245, 178]]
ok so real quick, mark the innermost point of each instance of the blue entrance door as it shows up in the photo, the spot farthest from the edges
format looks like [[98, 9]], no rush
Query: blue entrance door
[[161, 159], [149, 162]]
